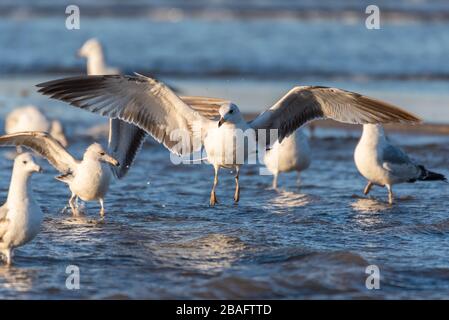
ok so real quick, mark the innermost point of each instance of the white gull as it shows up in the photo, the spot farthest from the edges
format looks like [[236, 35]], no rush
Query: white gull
[[20, 217], [87, 179], [153, 107], [292, 154], [384, 164], [30, 118]]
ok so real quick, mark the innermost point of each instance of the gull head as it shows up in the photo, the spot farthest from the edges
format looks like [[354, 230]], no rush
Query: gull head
[[229, 113], [25, 163], [97, 153], [57, 132], [90, 47]]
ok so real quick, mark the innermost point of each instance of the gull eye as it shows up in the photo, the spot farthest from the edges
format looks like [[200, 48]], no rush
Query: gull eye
[[25, 162], [102, 153], [231, 111]]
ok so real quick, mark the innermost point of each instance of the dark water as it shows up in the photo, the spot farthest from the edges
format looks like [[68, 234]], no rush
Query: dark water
[[160, 239]]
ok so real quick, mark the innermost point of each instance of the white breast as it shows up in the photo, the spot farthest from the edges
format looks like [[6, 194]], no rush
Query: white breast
[[230, 145], [91, 180]]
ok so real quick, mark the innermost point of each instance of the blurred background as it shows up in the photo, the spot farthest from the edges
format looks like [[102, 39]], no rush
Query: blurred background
[[250, 51]]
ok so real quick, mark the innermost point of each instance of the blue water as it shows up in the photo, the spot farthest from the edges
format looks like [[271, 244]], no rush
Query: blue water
[[263, 47], [160, 238]]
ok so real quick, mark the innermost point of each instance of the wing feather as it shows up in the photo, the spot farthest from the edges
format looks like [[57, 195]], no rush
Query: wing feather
[[45, 145], [144, 102], [304, 104]]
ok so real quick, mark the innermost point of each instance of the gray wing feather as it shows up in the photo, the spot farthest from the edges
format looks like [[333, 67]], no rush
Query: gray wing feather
[[144, 102], [45, 145], [304, 104], [125, 142], [395, 155]]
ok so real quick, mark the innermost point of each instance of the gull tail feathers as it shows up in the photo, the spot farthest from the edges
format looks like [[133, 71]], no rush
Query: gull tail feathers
[[66, 177], [427, 175]]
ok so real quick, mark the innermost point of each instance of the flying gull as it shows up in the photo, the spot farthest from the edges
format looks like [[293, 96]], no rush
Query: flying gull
[[87, 179], [153, 107], [384, 164], [20, 216]]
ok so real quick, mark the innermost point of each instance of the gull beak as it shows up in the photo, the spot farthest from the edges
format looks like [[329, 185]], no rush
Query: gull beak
[[78, 54], [111, 160], [221, 121], [38, 169]]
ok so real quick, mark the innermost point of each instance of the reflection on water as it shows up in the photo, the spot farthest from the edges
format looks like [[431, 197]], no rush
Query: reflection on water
[[289, 199], [369, 205], [213, 252], [370, 212], [16, 279]]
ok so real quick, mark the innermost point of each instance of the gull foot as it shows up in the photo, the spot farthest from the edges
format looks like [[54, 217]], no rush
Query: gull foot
[[213, 199], [237, 196]]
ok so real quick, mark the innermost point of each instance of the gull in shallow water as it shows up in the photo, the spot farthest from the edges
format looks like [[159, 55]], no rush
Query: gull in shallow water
[[30, 118], [20, 217], [292, 154], [87, 179], [124, 139], [153, 107], [384, 164]]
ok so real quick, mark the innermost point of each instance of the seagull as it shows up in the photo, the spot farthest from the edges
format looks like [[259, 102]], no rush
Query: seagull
[[87, 179], [384, 164], [155, 108], [30, 118], [124, 139], [292, 154], [93, 52], [20, 217]]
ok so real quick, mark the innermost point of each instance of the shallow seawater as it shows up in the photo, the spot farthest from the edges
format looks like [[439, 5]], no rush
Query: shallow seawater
[[160, 238]]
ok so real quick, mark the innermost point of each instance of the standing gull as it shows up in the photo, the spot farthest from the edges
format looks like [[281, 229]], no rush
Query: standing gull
[[384, 164], [30, 118], [93, 52], [87, 179], [124, 139], [20, 217], [292, 154], [152, 106]]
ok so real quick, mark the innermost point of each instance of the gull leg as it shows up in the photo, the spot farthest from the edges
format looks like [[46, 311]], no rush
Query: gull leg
[[275, 180], [102, 207], [213, 197], [8, 255], [390, 194], [298, 179], [72, 204], [368, 188], [237, 186]]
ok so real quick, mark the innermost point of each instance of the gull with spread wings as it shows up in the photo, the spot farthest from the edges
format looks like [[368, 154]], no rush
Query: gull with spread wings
[[87, 179], [152, 106]]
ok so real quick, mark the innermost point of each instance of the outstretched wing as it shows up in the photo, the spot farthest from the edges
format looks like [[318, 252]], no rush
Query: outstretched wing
[[125, 141], [144, 102], [304, 104], [45, 145]]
